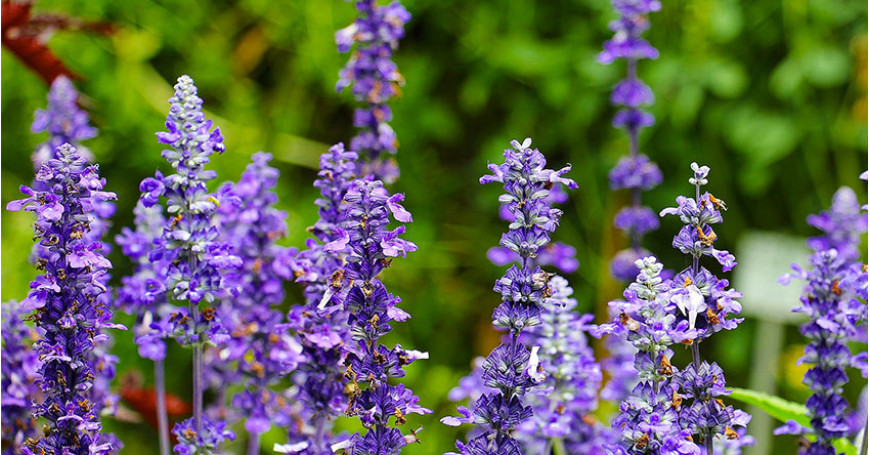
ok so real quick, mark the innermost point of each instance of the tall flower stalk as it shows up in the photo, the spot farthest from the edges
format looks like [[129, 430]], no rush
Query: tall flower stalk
[[260, 350], [635, 172], [512, 368], [189, 247], [67, 304], [706, 302], [649, 418], [322, 322], [369, 247], [835, 300], [143, 293], [374, 79]]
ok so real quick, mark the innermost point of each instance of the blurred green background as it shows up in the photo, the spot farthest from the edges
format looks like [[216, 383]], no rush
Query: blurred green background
[[772, 95]]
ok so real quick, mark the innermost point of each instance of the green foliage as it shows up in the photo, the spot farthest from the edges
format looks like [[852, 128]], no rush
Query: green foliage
[[784, 410], [778, 408]]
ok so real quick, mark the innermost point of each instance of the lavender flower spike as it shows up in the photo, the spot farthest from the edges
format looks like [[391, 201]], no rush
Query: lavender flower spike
[[189, 245], [512, 368], [19, 375], [260, 350], [705, 303], [635, 172], [67, 304], [321, 322], [369, 248], [374, 79], [649, 418], [835, 299], [64, 121], [564, 403]]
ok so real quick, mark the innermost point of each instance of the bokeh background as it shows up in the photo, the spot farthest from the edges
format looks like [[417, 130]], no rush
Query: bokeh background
[[771, 94]]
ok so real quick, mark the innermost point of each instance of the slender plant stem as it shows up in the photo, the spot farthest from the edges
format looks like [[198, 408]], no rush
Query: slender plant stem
[[558, 447], [162, 416], [253, 443], [197, 387]]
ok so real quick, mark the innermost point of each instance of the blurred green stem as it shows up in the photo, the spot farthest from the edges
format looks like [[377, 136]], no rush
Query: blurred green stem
[[559, 447]]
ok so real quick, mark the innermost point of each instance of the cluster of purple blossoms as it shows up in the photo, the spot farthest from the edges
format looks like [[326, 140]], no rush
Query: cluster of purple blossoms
[[193, 258], [260, 350], [18, 381], [512, 368], [67, 304], [369, 247], [564, 403], [649, 419], [64, 122], [143, 293], [207, 440], [635, 172], [835, 301], [706, 303], [374, 79], [557, 254], [321, 323]]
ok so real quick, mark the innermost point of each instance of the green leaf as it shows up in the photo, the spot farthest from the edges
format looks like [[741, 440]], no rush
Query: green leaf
[[778, 408]]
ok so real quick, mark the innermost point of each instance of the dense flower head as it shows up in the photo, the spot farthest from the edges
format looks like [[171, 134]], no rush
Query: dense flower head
[[704, 304], [206, 442], [512, 368], [19, 375], [259, 350], [189, 246], [842, 225], [67, 303], [195, 262], [321, 323], [635, 172], [369, 246], [374, 79], [63, 120], [564, 403], [707, 414], [648, 419], [702, 298], [834, 299]]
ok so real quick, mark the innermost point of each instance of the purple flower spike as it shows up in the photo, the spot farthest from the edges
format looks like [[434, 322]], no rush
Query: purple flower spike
[[64, 121], [368, 247], [191, 261], [703, 304], [374, 80], [19, 375], [564, 403], [512, 368], [321, 322], [835, 300], [843, 225], [634, 172], [69, 306], [259, 351]]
